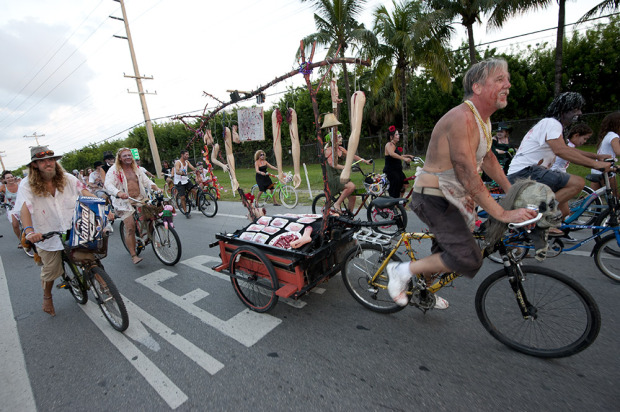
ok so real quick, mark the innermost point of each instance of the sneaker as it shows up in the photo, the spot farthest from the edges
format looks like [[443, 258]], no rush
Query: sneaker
[[569, 239], [440, 303], [398, 278]]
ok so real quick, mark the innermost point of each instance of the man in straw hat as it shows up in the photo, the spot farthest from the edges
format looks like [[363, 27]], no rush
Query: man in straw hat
[[49, 194]]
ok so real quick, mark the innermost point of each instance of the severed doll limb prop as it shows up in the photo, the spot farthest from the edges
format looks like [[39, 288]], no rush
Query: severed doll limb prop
[[230, 158], [276, 123], [304, 239], [208, 138], [216, 151], [235, 135], [358, 100], [292, 121]]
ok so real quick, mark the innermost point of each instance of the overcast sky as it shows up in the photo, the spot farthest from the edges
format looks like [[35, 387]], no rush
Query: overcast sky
[[62, 75]]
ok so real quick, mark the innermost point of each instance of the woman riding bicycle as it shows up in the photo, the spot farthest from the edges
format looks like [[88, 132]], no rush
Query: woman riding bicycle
[[262, 176], [333, 173], [394, 164]]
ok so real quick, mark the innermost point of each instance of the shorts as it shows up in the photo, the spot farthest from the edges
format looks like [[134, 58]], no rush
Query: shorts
[[182, 188], [454, 241], [554, 179], [52, 264]]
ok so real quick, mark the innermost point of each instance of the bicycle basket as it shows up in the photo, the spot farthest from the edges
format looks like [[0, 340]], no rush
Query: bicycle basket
[[150, 212], [83, 255], [288, 177]]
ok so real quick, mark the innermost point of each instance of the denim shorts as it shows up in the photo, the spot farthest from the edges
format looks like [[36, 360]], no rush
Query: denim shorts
[[552, 178]]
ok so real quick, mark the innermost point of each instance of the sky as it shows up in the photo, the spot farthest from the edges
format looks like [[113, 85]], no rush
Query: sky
[[63, 72]]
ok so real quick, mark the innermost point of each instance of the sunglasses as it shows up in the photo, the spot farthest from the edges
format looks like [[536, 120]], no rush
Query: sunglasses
[[43, 154]]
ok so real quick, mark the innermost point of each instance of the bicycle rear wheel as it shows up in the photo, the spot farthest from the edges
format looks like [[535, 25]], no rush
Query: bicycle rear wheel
[[139, 248], [360, 265], [396, 212], [207, 203], [166, 244], [288, 196], [108, 299], [564, 317], [588, 216], [253, 278], [607, 256]]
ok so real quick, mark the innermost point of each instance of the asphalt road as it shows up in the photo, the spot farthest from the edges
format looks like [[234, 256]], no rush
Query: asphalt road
[[192, 344]]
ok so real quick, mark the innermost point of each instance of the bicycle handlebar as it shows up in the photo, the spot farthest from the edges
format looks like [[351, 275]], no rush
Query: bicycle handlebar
[[526, 223]]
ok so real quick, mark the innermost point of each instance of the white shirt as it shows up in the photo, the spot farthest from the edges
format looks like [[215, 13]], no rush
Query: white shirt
[[605, 147], [115, 181], [560, 164], [534, 146], [181, 178], [95, 179], [52, 213]]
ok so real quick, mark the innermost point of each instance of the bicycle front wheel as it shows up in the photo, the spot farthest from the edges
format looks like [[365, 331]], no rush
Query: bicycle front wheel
[[396, 212], [288, 196], [607, 256], [360, 265], [207, 203], [108, 299], [564, 318], [188, 204], [166, 244]]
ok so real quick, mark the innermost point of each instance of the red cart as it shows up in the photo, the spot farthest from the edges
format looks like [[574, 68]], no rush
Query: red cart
[[261, 274]]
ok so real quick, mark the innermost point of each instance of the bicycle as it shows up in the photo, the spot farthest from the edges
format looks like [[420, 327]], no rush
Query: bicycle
[[196, 197], [379, 209], [554, 316], [87, 273], [286, 192], [165, 241]]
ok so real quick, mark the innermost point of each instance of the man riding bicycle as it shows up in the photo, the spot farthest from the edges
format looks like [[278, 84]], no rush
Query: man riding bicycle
[[181, 181], [124, 180]]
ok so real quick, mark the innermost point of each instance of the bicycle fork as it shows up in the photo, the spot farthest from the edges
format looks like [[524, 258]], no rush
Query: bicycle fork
[[516, 279]]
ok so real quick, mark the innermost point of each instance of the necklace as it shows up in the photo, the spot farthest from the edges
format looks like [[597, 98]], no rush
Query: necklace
[[487, 133]]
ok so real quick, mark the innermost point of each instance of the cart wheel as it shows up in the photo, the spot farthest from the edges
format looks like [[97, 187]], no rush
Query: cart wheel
[[254, 278]]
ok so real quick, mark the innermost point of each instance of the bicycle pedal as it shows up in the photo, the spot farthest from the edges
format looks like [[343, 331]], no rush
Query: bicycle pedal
[[62, 285]]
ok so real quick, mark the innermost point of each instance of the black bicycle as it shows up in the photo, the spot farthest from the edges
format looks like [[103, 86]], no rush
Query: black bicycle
[[196, 197]]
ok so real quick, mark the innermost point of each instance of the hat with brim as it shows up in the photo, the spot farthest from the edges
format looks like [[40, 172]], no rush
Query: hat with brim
[[504, 126], [42, 153]]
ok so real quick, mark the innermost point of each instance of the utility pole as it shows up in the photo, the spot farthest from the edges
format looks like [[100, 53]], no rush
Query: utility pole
[[1, 162], [141, 93], [36, 137]]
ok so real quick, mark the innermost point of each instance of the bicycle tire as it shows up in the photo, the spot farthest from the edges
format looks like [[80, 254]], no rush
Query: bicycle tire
[[519, 253], [318, 205], [109, 300], [260, 202], [166, 244], [188, 205], [588, 216], [607, 256], [73, 283], [207, 204], [288, 196], [255, 288], [121, 229], [567, 319], [375, 214], [360, 265], [602, 219]]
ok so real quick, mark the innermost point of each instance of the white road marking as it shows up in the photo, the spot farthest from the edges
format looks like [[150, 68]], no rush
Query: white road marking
[[198, 263], [169, 392], [247, 327], [15, 390]]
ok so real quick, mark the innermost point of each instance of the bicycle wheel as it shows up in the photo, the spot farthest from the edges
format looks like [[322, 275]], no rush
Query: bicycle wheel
[[253, 278], [207, 203], [518, 252], [318, 205], [71, 282], [264, 197], [108, 299], [396, 212], [188, 205], [564, 317], [360, 265], [166, 244], [607, 256], [139, 248], [288, 196], [588, 216]]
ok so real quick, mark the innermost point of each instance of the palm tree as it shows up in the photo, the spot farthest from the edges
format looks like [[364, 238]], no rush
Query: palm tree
[[469, 12], [607, 5], [508, 8], [338, 28], [411, 37]]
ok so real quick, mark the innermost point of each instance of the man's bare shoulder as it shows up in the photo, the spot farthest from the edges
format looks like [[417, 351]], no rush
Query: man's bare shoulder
[[455, 117]]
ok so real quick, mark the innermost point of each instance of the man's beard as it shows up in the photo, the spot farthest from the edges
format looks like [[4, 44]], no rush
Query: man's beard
[[48, 175]]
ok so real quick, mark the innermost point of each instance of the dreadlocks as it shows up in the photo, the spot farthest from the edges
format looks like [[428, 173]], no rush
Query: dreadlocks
[[564, 103]]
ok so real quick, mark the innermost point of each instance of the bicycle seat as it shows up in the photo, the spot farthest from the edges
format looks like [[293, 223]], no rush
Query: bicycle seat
[[382, 202]]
